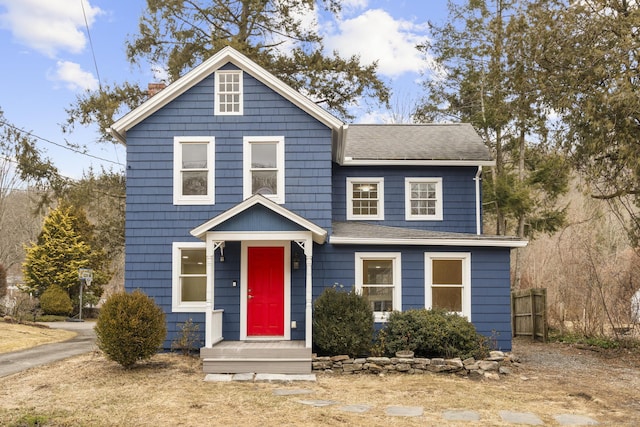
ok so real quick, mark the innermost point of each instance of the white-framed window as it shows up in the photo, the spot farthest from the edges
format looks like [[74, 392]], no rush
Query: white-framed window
[[423, 199], [448, 282], [365, 198], [229, 93], [378, 279], [189, 277], [264, 167], [193, 170]]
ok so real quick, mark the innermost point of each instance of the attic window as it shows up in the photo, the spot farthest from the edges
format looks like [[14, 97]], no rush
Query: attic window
[[228, 93]]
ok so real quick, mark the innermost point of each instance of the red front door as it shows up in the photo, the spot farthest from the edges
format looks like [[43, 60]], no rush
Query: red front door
[[265, 291]]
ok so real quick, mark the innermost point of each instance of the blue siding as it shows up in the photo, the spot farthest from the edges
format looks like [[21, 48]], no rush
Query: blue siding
[[458, 193], [153, 223], [490, 283]]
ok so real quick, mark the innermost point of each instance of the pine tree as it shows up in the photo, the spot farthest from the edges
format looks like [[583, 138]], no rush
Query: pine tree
[[57, 254]]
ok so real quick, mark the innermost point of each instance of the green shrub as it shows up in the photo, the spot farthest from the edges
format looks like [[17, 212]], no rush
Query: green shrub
[[130, 327], [432, 333], [55, 300], [342, 323]]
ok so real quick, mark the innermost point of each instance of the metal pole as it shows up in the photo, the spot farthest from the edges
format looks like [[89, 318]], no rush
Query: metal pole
[[80, 314]]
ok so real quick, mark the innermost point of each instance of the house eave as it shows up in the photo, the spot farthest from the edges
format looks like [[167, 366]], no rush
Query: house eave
[[337, 240], [120, 127], [415, 162]]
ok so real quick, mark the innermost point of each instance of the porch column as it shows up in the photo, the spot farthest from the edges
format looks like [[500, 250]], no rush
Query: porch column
[[308, 252], [208, 316]]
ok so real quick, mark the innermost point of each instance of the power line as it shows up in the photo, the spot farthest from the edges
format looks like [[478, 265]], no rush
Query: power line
[[93, 53], [7, 124]]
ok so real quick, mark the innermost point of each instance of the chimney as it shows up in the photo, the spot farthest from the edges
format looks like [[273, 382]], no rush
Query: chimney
[[154, 88]]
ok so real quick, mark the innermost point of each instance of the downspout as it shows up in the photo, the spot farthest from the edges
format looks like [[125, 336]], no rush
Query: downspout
[[477, 179]]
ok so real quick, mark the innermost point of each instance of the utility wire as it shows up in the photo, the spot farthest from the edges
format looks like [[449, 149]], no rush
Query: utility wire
[[93, 52], [7, 124]]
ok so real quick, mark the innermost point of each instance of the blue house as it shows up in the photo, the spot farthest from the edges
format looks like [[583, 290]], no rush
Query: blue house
[[245, 200]]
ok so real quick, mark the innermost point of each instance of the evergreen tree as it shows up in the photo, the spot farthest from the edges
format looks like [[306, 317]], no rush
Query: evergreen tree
[[176, 36], [486, 79], [587, 59], [59, 252]]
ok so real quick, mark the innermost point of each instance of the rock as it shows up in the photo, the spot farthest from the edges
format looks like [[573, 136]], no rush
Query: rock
[[504, 370], [340, 358], [422, 360], [360, 360], [403, 367], [496, 354], [351, 367], [469, 361], [437, 361], [487, 365], [373, 368], [382, 361], [491, 375], [456, 363], [475, 375]]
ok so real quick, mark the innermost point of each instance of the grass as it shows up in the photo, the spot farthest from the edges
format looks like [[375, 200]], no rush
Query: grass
[[14, 337], [89, 390]]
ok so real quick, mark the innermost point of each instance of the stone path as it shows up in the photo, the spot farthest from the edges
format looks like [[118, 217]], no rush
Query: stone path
[[520, 418], [511, 417]]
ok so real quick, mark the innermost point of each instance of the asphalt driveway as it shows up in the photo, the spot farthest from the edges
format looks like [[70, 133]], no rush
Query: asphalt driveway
[[84, 342]]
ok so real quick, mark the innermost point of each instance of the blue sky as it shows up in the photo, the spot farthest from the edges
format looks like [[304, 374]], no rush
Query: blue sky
[[47, 60]]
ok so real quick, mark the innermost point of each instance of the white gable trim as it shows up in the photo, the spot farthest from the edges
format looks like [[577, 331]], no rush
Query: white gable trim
[[228, 54], [319, 234]]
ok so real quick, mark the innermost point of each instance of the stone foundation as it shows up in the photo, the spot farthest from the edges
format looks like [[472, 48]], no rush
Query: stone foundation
[[498, 363]]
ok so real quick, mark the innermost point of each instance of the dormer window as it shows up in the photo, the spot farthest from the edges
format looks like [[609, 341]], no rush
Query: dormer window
[[228, 93]]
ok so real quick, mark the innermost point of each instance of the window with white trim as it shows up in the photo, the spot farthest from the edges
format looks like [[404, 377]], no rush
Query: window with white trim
[[423, 199], [264, 167], [448, 282], [229, 96], [378, 279], [193, 170], [189, 284], [365, 198]]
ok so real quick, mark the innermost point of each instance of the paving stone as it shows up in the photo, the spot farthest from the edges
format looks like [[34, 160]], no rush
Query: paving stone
[[286, 377], [218, 377], [527, 418], [358, 409], [318, 403], [291, 391], [404, 411], [243, 377], [461, 416], [575, 420]]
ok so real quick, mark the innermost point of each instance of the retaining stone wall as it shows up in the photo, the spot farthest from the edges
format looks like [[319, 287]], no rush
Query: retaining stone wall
[[498, 363]]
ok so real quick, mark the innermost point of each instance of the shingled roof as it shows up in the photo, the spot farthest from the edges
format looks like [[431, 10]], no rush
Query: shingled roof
[[450, 142], [352, 232]]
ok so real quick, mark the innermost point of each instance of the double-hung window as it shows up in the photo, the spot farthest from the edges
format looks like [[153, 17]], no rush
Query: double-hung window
[[365, 198], [448, 282], [378, 279], [229, 96], [423, 199], [264, 167], [193, 171], [189, 289]]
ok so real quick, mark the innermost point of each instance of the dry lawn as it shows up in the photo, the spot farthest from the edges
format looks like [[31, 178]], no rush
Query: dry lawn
[[169, 390], [14, 337]]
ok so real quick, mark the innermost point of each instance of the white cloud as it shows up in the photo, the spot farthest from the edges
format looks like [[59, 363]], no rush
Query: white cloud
[[74, 77], [48, 26], [377, 36]]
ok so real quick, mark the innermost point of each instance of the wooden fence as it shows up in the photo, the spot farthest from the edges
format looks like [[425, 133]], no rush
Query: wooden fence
[[529, 313]]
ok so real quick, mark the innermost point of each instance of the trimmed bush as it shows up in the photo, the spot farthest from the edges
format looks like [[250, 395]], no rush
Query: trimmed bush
[[130, 327], [432, 333], [342, 323], [55, 300]]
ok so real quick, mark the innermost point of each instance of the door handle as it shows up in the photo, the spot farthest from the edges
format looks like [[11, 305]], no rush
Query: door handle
[[249, 296]]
